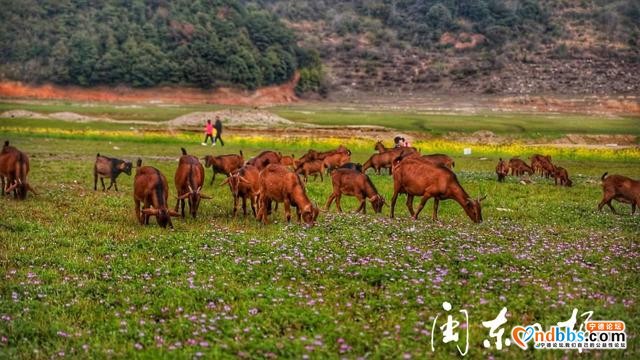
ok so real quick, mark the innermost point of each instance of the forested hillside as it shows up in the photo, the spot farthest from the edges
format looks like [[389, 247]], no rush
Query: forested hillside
[[146, 43], [384, 46]]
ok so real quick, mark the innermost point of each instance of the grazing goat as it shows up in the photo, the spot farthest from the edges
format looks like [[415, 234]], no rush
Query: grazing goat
[[502, 170], [111, 168], [354, 183], [385, 160], [335, 160], [14, 169], [519, 167], [542, 164], [289, 161], [316, 155], [313, 167], [223, 164], [150, 187], [621, 188], [281, 185], [189, 179], [265, 158], [244, 183], [562, 176], [418, 178]]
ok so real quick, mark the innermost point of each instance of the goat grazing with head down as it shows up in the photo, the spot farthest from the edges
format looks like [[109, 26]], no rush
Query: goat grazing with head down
[[311, 167], [542, 164], [354, 183], [223, 164], [519, 167], [244, 183], [151, 189], [418, 178], [620, 188], [14, 169], [111, 168], [560, 175], [281, 185], [189, 179]]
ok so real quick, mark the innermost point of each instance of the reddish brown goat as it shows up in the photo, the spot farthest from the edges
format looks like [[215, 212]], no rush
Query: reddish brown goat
[[223, 164], [265, 158], [502, 170], [14, 169], [561, 176], [418, 178], [542, 164], [281, 185], [316, 155], [354, 183], [336, 160], [244, 183], [289, 161], [519, 167], [313, 167], [150, 187], [435, 159], [621, 188], [385, 160], [189, 179]]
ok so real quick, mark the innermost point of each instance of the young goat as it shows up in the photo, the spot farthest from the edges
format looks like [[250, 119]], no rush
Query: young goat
[[189, 179], [281, 185], [312, 167], [109, 167], [621, 188], [560, 175], [223, 164], [418, 178], [542, 164], [244, 183], [502, 170], [519, 167], [150, 187], [354, 183]]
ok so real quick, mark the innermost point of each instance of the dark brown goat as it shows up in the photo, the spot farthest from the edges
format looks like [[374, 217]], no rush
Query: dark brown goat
[[561, 176], [111, 168], [223, 164], [281, 185], [354, 183], [418, 178], [189, 179], [150, 187], [519, 167], [265, 158], [312, 167], [14, 169], [621, 188], [502, 170], [244, 183]]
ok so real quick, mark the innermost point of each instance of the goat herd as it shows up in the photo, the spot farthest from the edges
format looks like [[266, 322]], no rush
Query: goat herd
[[270, 177]]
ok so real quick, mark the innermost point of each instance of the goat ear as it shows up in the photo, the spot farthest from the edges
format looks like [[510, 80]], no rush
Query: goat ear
[[150, 211], [173, 213]]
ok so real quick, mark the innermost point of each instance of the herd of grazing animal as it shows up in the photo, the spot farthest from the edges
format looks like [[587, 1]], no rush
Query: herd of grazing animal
[[270, 178]]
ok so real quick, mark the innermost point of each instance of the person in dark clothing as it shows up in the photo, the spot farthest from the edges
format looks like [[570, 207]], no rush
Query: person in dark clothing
[[218, 127]]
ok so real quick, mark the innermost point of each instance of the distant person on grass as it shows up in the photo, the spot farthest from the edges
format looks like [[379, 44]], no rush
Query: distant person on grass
[[208, 130], [218, 131]]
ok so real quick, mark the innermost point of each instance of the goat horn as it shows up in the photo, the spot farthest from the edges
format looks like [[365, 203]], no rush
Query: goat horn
[[190, 189]]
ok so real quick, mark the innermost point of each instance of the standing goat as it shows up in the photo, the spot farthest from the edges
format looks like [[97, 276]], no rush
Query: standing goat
[[620, 188], [14, 169], [244, 183], [354, 183], [223, 164], [111, 168]]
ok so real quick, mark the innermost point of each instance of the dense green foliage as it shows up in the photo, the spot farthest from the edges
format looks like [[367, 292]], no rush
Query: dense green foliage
[[145, 43]]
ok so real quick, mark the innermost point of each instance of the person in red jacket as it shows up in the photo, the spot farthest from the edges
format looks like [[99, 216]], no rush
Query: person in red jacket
[[208, 130]]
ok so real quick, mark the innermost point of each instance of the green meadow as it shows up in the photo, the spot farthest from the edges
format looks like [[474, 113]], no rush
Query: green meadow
[[82, 279]]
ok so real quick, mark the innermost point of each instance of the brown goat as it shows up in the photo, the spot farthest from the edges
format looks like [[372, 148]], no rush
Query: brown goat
[[223, 164], [519, 167], [281, 185], [316, 155], [336, 160], [354, 183], [562, 176], [244, 183], [312, 167], [289, 161], [542, 164], [385, 160], [150, 187], [502, 170], [14, 169], [111, 168], [189, 179], [621, 188], [265, 158], [418, 178], [435, 159]]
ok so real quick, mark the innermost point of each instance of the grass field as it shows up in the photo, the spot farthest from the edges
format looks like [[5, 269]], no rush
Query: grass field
[[80, 277]]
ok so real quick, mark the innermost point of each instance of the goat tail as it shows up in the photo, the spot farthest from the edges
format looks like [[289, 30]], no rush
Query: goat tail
[[139, 162], [604, 176], [184, 151]]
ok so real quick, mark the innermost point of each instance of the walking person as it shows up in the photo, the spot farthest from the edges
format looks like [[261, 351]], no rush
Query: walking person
[[208, 130], [218, 127]]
